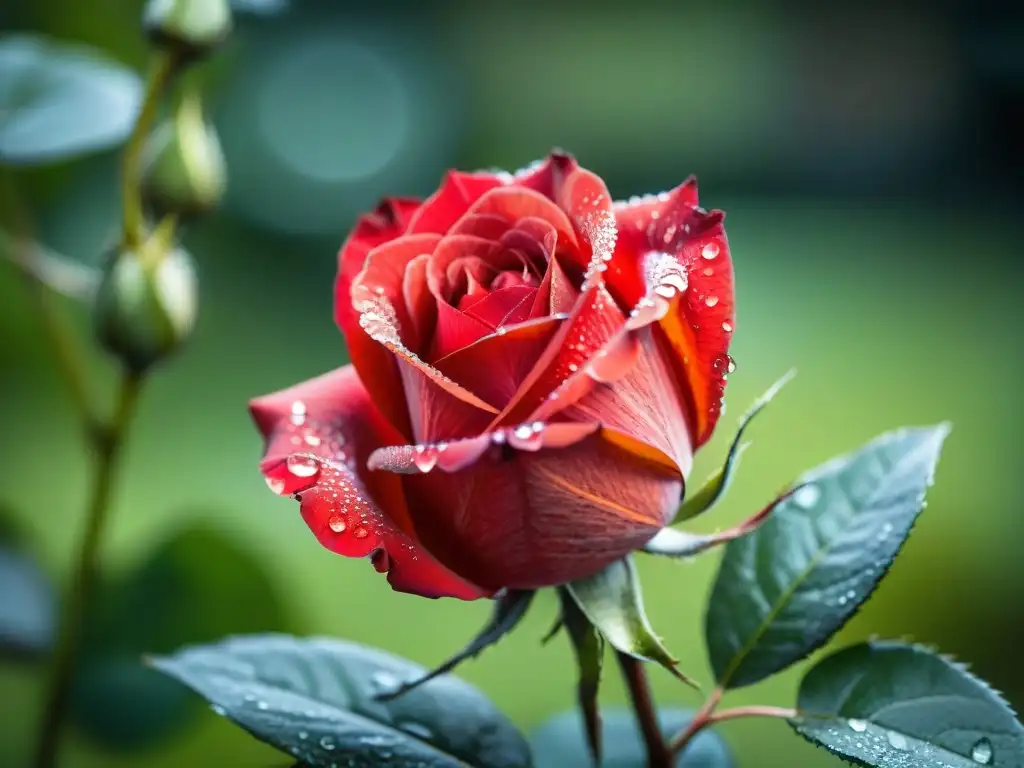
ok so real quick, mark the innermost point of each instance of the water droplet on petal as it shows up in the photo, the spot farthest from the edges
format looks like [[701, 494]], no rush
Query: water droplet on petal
[[312, 440], [298, 413], [275, 484], [710, 251], [302, 466], [337, 523], [527, 437], [982, 752], [898, 740], [711, 301], [360, 533], [858, 725], [425, 458], [648, 310], [807, 496], [723, 364], [727, 327]]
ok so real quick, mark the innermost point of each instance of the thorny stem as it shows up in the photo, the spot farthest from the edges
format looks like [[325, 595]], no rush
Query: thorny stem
[[658, 753], [164, 66], [109, 444], [708, 715]]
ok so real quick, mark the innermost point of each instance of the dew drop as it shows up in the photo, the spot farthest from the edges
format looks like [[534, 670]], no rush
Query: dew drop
[[327, 743], [711, 301], [360, 533], [727, 327], [898, 740], [275, 484], [312, 440], [730, 365], [336, 523], [523, 431], [302, 466], [262, 705], [723, 364], [425, 458], [709, 251], [303, 735], [384, 682], [218, 710], [528, 437], [858, 725], [298, 413], [648, 310], [807, 496], [982, 752]]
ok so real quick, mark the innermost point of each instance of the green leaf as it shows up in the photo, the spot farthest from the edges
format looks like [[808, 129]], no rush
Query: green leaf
[[509, 609], [613, 602], [195, 587], [714, 487], [28, 608], [588, 645], [59, 100], [559, 742], [786, 588], [903, 706], [318, 700]]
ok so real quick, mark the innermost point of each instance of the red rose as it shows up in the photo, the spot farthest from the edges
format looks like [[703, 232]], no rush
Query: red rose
[[533, 366]]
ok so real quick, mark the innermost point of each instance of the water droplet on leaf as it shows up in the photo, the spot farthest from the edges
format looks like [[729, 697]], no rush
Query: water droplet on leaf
[[858, 725], [982, 752], [807, 496], [898, 740]]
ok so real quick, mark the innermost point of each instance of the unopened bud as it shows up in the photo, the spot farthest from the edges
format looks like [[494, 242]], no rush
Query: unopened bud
[[190, 28], [146, 304], [183, 165]]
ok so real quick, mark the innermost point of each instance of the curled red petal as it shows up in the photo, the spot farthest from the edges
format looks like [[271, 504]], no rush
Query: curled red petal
[[594, 320], [319, 434], [496, 365], [519, 203], [697, 317], [374, 364], [533, 505], [458, 191]]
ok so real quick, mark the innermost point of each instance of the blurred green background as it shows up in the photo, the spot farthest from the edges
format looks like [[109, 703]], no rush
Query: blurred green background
[[868, 157]]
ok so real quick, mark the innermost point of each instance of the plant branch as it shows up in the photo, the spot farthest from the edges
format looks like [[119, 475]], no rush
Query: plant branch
[[109, 444], [708, 715], [658, 753], [163, 68]]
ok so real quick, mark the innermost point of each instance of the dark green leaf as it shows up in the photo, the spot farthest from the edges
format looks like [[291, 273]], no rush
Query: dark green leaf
[[28, 606], [260, 7], [59, 100], [786, 588], [318, 700], [714, 487], [903, 706], [559, 742], [588, 645], [195, 587], [508, 610], [613, 602]]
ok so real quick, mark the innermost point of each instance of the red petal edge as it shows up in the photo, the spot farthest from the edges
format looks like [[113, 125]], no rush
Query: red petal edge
[[319, 435], [701, 321]]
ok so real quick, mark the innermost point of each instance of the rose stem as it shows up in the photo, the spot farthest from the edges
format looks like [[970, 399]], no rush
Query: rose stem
[[658, 753], [707, 715]]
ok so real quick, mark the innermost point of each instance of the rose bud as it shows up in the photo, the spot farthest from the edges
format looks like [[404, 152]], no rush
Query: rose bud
[[533, 367], [183, 165], [189, 28], [145, 307]]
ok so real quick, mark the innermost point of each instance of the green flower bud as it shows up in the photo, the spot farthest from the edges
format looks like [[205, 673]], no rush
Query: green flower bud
[[146, 303], [190, 28], [183, 166]]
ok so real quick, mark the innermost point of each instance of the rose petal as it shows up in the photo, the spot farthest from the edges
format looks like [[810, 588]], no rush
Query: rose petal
[[504, 306], [557, 293], [496, 365], [519, 203], [533, 505], [383, 274], [434, 401], [699, 322], [318, 435], [375, 366], [419, 302], [594, 320], [457, 193]]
